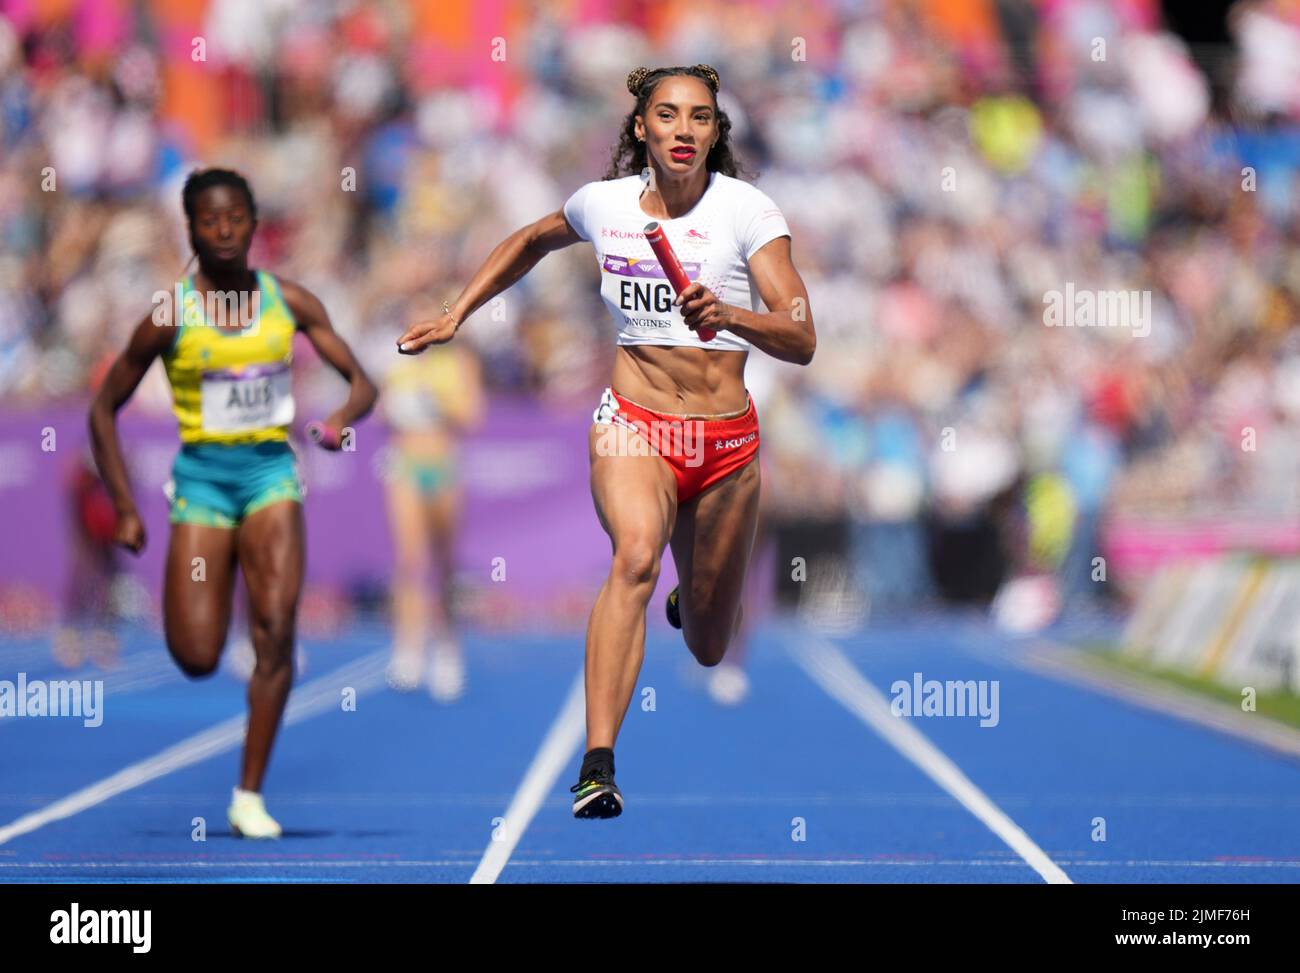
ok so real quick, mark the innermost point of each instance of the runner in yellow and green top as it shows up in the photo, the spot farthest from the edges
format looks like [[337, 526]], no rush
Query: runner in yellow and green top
[[226, 340], [233, 401]]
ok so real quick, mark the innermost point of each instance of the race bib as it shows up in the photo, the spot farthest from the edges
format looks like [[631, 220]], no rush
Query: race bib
[[640, 290], [247, 400]]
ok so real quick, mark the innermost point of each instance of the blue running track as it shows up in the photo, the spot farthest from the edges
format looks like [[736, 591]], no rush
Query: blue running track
[[790, 786]]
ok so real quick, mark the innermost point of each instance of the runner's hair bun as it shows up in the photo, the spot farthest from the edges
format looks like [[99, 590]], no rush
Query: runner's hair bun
[[712, 75], [637, 77]]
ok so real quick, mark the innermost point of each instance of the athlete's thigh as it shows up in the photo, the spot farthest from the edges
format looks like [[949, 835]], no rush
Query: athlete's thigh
[[441, 515], [635, 494], [406, 521], [198, 581], [270, 548], [712, 542]]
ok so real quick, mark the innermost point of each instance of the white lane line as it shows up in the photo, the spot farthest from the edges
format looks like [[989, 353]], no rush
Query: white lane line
[[315, 697], [931, 799], [830, 669], [562, 740], [656, 862]]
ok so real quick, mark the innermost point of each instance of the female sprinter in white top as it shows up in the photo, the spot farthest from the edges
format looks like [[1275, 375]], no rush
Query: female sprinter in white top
[[674, 441]]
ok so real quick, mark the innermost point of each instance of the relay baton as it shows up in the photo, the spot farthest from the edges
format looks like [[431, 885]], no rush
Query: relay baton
[[654, 234]]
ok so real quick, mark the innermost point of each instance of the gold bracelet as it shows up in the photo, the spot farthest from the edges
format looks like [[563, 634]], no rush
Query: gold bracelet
[[446, 309]]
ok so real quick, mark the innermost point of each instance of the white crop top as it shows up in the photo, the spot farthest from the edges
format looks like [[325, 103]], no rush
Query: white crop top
[[713, 241]]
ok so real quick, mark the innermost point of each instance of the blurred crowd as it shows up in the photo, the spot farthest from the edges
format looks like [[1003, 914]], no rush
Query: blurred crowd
[[944, 166]]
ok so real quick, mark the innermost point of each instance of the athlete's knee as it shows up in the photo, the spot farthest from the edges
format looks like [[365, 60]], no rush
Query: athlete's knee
[[411, 562], [636, 562], [273, 637], [709, 647], [273, 662], [195, 642], [197, 658]]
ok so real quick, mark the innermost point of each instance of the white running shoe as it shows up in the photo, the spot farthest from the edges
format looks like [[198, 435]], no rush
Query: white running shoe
[[728, 685], [446, 673], [405, 670], [248, 817]]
